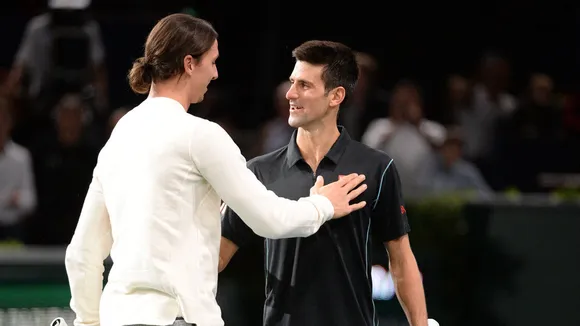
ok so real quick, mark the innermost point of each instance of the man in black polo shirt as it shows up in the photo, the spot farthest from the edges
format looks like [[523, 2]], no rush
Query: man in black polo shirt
[[325, 279]]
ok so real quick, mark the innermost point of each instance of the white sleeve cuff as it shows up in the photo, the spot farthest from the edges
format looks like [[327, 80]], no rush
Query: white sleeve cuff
[[323, 205]]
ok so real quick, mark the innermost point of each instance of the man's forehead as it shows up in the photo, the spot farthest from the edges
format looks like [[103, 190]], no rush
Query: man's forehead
[[306, 71], [214, 50], [211, 55]]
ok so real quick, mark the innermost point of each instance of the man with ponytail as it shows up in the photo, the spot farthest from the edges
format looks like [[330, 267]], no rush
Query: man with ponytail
[[154, 202]]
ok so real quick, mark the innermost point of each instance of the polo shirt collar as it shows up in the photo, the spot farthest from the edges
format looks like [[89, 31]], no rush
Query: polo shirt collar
[[293, 154]]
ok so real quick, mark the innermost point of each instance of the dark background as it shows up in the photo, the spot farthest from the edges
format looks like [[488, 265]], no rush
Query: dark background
[[412, 39], [514, 264]]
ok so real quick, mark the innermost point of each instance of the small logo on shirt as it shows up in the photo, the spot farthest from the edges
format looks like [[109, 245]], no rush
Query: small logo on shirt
[[403, 210], [223, 208]]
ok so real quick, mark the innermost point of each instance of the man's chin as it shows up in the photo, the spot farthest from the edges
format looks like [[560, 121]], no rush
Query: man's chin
[[294, 124], [199, 99]]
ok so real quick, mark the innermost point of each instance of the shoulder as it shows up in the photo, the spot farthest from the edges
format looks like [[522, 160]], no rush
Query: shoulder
[[376, 157], [38, 22], [375, 163], [206, 129], [435, 130], [434, 126], [208, 137], [376, 129], [380, 124], [261, 162], [509, 103], [92, 26], [19, 153]]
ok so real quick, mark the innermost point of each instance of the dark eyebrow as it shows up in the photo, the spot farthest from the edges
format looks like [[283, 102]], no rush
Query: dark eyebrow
[[302, 81]]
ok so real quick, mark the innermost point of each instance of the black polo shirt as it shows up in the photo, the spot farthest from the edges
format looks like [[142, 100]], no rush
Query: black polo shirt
[[325, 279]]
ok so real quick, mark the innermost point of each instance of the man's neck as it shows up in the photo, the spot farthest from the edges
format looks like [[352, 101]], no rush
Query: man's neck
[[314, 143], [169, 89]]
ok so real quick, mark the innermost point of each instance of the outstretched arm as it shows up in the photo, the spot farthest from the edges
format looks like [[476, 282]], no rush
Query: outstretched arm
[[221, 163]]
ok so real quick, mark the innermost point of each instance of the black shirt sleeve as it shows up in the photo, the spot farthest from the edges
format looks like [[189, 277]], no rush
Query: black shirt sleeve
[[233, 228], [389, 217]]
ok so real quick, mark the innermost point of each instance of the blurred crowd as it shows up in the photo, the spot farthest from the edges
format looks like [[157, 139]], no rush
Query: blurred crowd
[[480, 139]]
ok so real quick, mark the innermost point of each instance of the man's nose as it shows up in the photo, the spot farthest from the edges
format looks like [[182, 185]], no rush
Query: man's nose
[[291, 94]]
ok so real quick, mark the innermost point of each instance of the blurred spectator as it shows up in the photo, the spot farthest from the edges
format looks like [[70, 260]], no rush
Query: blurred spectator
[[491, 101], [406, 135], [72, 59], [458, 99], [114, 118], [17, 191], [448, 172], [572, 113], [212, 104], [216, 106], [64, 161], [536, 127], [277, 132], [540, 113]]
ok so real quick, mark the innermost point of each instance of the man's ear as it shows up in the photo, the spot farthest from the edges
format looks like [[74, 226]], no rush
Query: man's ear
[[188, 64], [337, 96]]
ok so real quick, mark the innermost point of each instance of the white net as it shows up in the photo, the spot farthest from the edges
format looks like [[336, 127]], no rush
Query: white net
[[33, 286], [34, 316]]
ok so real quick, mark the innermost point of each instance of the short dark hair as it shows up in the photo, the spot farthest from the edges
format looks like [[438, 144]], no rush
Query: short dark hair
[[172, 38], [340, 66]]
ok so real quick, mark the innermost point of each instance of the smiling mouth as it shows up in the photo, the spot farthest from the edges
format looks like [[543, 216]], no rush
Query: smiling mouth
[[295, 108]]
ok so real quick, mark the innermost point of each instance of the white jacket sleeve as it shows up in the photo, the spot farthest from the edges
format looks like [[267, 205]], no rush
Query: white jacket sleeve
[[89, 247], [221, 163]]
